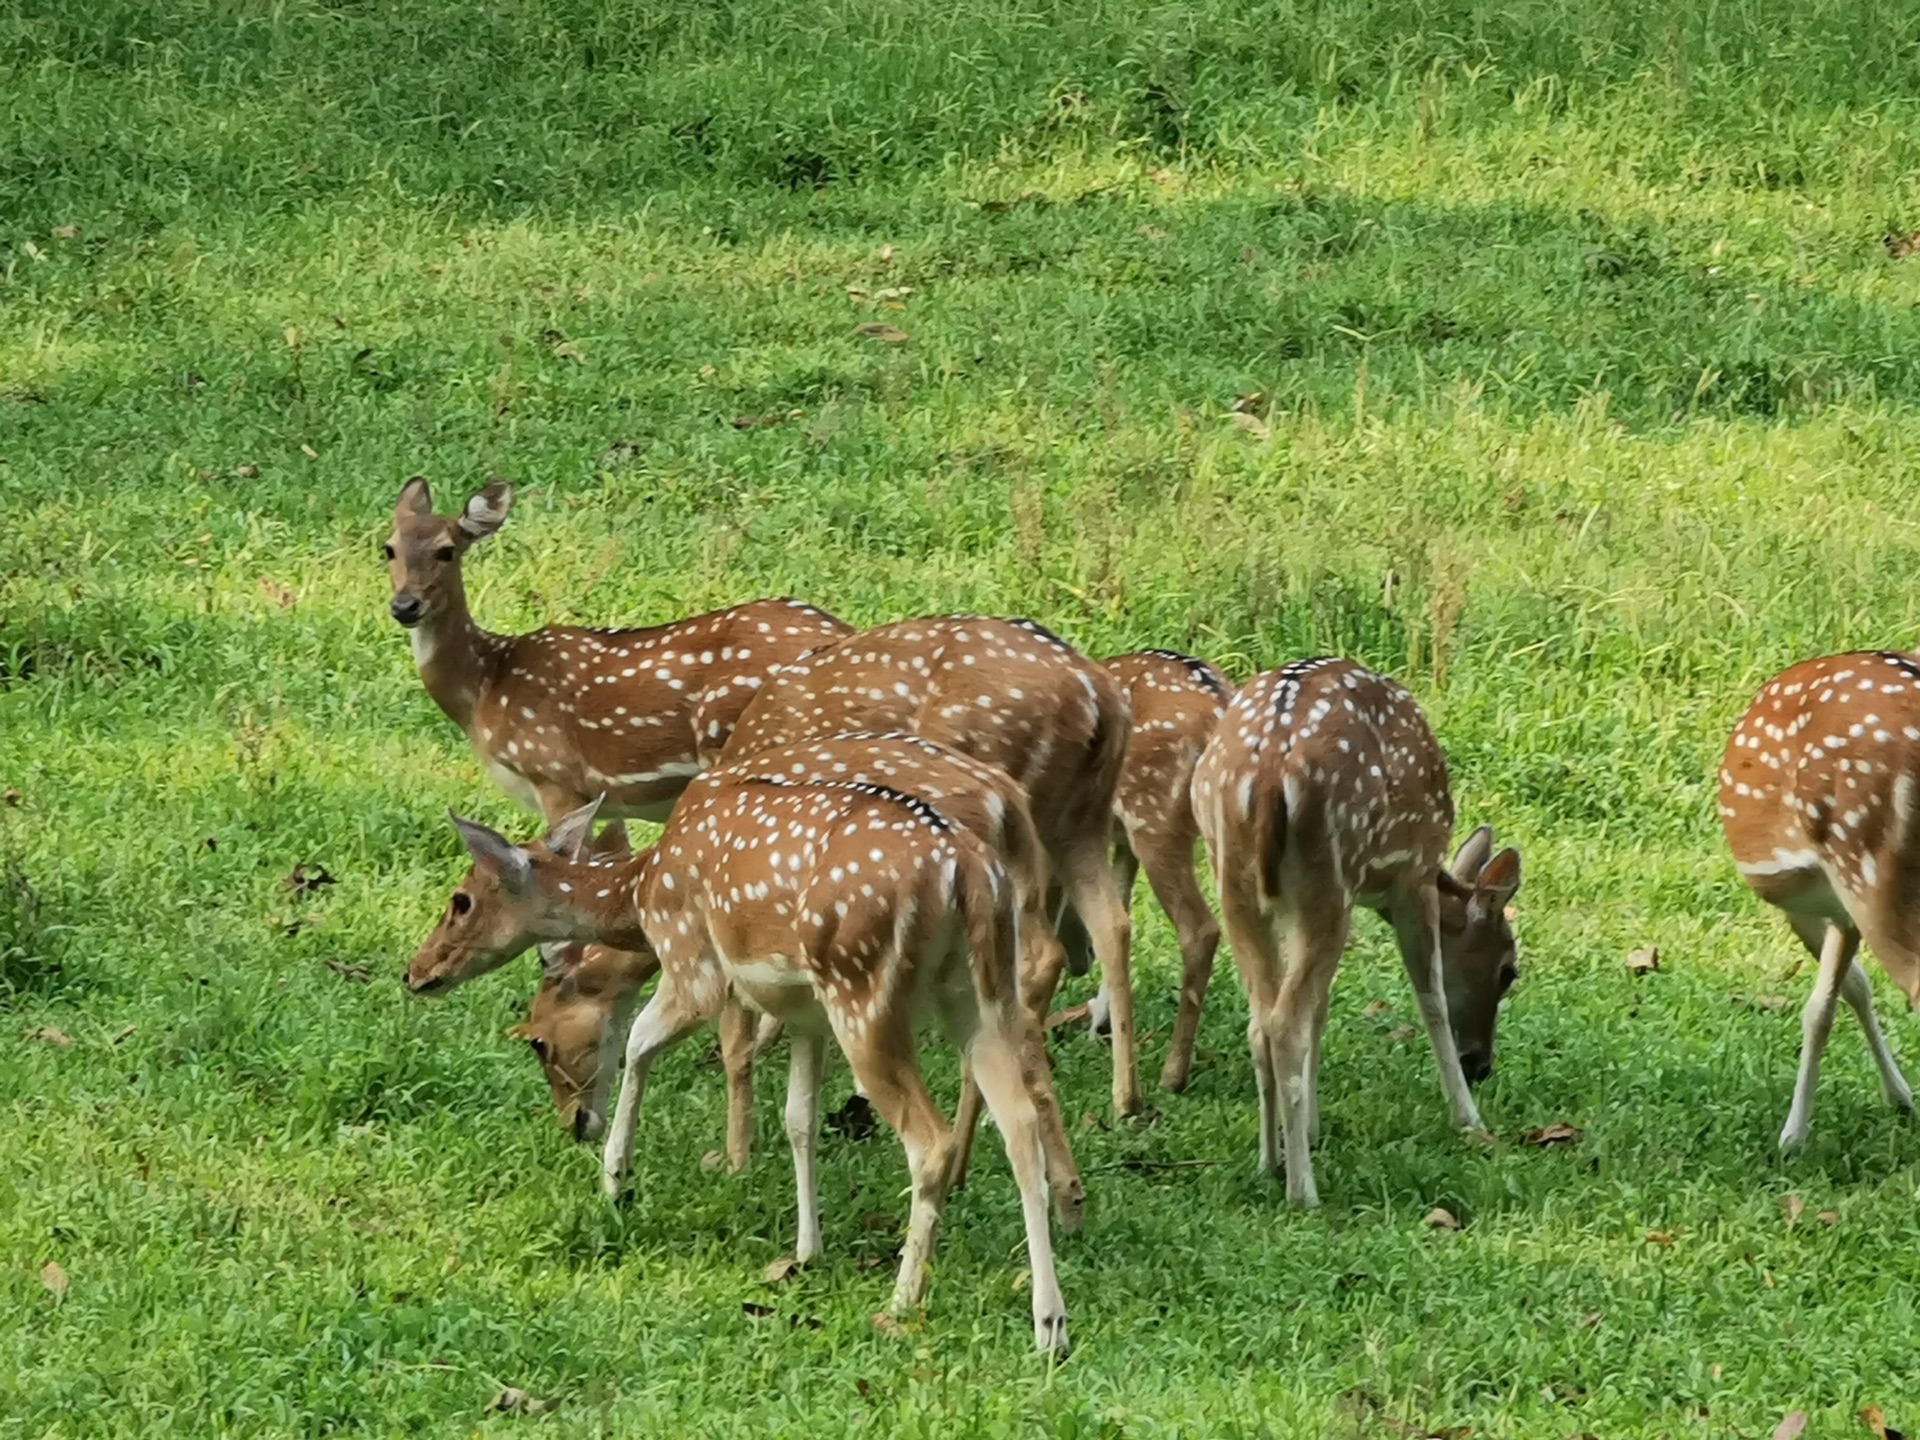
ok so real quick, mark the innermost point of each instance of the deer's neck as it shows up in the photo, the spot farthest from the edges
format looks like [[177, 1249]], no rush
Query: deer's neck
[[455, 658], [603, 900]]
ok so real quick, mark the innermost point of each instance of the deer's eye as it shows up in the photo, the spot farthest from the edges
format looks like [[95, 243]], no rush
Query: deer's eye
[[462, 902], [538, 1046], [389, 550], [444, 554]]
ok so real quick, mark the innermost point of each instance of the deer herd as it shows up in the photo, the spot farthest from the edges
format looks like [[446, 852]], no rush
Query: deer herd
[[924, 825]]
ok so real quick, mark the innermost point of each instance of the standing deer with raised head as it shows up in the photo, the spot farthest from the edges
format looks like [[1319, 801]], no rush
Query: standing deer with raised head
[[847, 910], [565, 713], [1820, 799], [1014, 695], [1322, 789], [583, 1008], [1175, 701]]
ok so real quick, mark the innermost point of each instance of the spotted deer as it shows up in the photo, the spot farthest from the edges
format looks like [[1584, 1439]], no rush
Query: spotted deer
[[1175, 701], [1323, 788], [1014, 695], [563, 714], [1820, 800], [584, 1005], [847, 910]]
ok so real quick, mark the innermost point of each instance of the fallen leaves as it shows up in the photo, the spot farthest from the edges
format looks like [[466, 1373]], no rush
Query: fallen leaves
[[1440, 1218], [1644, 961], [1663, 1238], [513, 1401], [1400, 1034], [1558, 1133], [1377, 1009], [781, 1270], [1792, 1208], [52, 1035], [883, 333], [358, 974], [54, 1277], [67, 232], [1902, 244], [1252, 424], [1792, 1427], [276, 592]]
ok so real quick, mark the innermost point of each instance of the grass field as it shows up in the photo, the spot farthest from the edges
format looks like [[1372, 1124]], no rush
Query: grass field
[[1581, 392]]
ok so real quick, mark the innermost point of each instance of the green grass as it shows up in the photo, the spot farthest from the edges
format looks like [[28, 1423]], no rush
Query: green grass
[[1590, 397]]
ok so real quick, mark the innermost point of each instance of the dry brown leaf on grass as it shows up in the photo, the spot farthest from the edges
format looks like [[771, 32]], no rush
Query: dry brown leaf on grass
[[1400, 1034], [1439, 1218], [126, 1034], [1828, 1218], [276, 592], [358, 974], [54, 1277], [1792, 1427], [1558, 1133], [783, 1269], [1644, 961], [310, 452], [1791, 1208], [1663, 1238], [881, 331], [52, 1035], [67, 232], [1252, 424], [1070, 1016], [1377, 1008], [713, 1161], [1901, 244]]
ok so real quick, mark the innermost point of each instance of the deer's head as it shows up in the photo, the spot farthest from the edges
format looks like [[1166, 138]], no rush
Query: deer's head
[[1477, 952], [424, 551], [512, 899], [576, 1025]]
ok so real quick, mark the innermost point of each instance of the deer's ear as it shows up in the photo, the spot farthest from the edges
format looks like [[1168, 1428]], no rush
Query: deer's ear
[[570, 833], [486, 510], [490, 847], [1498, 880], [1472, 856], [416, 498]]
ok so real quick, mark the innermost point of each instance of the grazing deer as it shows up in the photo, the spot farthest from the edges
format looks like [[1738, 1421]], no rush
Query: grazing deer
[[1323, 788], [1176, 701], [848, 910], [1820, 799], [1014, 695], [587, 993], [563, 714]]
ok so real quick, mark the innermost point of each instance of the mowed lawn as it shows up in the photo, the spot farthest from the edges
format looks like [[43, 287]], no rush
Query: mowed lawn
[[1563, 361]]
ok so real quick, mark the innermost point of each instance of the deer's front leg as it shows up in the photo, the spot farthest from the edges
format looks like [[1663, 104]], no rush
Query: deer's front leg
[[667, 1019], [806, 1064], [1416, 926]]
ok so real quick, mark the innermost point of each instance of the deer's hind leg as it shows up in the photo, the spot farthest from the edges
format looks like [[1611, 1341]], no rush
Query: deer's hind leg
[[885, 1061]]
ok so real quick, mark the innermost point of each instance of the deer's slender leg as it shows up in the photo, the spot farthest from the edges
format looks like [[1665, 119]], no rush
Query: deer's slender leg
[[667, 1019], [1314, 939], [1837, 949], [805, 1067], [997, 1061], [1169, 866], [1416, 926], [1096, 898], [1857, 991], [883, 1058], [1126, 871], [1250, 932], [737, 1052]]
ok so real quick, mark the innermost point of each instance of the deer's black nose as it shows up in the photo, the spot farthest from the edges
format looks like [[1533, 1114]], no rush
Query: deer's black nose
[[1476, 1067], [406, 609]]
